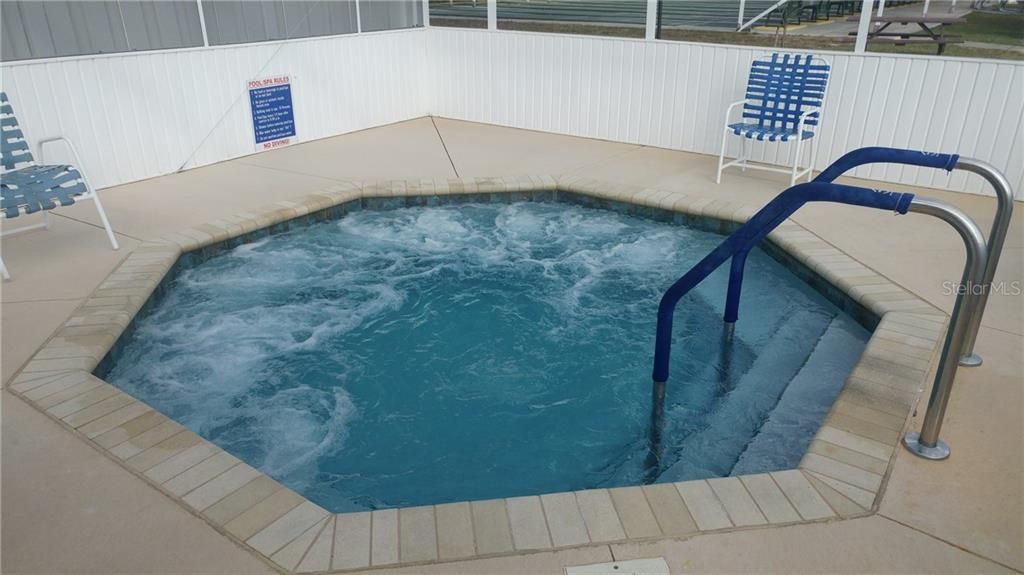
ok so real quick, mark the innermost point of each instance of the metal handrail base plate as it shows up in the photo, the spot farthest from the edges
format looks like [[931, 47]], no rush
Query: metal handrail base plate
[[912, 441], [971, 360]]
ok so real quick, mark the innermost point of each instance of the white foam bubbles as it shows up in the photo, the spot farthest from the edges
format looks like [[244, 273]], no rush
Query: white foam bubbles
[[311, 433], [368, 356]]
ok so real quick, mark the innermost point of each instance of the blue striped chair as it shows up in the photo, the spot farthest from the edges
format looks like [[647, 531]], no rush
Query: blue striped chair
[[784, 102], [27, 187]]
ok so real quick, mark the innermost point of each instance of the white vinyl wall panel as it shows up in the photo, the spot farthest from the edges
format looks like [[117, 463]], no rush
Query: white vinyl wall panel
[[141, 115], [136, 116], [674, 94]]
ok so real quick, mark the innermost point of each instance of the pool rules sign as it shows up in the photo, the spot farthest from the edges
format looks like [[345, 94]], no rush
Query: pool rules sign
[[273, 118]]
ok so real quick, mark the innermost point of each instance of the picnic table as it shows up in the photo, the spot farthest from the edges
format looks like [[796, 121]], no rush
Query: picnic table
[[932, 30]]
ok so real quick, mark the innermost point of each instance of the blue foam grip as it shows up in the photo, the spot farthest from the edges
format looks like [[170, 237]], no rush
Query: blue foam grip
[[883, 155], [732, 296], [739, 244]]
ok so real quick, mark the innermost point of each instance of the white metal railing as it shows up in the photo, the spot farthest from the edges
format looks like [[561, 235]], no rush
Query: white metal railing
[[760, 16], [652, 23]]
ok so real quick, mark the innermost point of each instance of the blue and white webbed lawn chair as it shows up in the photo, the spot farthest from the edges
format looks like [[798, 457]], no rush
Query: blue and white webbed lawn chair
[[27, 187], [784, 102]]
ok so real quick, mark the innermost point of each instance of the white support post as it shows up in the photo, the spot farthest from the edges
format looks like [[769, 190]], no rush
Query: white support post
[[864, 26], [359, 19], [492, 14], [124, 27], [758, 18], [881, 7], [652, 20], [739, 16], [926, 3], [426, 13], [202, 22]]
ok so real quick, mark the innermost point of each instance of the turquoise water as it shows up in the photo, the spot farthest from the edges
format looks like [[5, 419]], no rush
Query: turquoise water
[[428, 355]]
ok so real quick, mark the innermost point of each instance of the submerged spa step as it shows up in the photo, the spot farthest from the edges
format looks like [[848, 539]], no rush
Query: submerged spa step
[[713, 450], [806, 401]]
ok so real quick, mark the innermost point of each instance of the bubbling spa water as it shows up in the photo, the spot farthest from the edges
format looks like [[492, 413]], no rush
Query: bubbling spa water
[[428, 355]]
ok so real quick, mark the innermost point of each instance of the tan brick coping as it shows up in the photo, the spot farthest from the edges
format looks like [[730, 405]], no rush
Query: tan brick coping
[[842, 475]]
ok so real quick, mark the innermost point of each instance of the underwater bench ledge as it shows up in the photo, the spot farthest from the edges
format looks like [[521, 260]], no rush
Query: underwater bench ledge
[[842, 475]]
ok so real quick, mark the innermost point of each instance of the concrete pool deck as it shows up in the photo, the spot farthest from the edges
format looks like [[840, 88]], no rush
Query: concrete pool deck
[[68, 508]]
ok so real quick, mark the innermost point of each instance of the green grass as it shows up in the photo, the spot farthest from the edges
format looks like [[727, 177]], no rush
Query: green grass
[[801, 42], [992, 28], [794, 41], [958, 50]]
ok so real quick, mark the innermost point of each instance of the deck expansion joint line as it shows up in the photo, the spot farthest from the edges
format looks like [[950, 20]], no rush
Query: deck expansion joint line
[[445, 146], [947, 542], [67, 217], [6, 302]]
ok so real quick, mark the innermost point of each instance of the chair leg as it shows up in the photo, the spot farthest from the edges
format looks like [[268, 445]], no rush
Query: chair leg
[[3, 270], [796, 162], [106, 222], [721, 157], [746, 154], [814, 155], [91, 191]]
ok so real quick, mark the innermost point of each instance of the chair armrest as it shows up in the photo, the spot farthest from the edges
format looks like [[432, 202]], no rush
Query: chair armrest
[[728, 110], [90, 191], [53, 139], [807, 114]]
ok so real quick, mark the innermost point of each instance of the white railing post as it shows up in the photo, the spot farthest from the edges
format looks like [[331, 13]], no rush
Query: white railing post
[[492, 14], [926, 3], [768, 11], [426, 13], [864, 26], [652, 20], [202, 22], [124, 28], [739, 17], [359, 20], [881, 7]]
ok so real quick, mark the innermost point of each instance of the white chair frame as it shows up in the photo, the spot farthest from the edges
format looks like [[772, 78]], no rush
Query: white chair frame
[[90, 194], [795, 172]]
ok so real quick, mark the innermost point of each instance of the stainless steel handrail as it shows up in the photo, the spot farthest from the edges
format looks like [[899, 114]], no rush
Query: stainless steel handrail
[[736, 247], [964, 323], [968, 305], [949, 162], [996, 237]]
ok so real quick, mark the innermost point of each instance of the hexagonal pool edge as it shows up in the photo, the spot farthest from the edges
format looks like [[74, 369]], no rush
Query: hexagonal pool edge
[[842, 475]]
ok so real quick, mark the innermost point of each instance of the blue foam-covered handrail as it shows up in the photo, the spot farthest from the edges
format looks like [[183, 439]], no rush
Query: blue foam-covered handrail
[[883, 155], [739, 244]]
